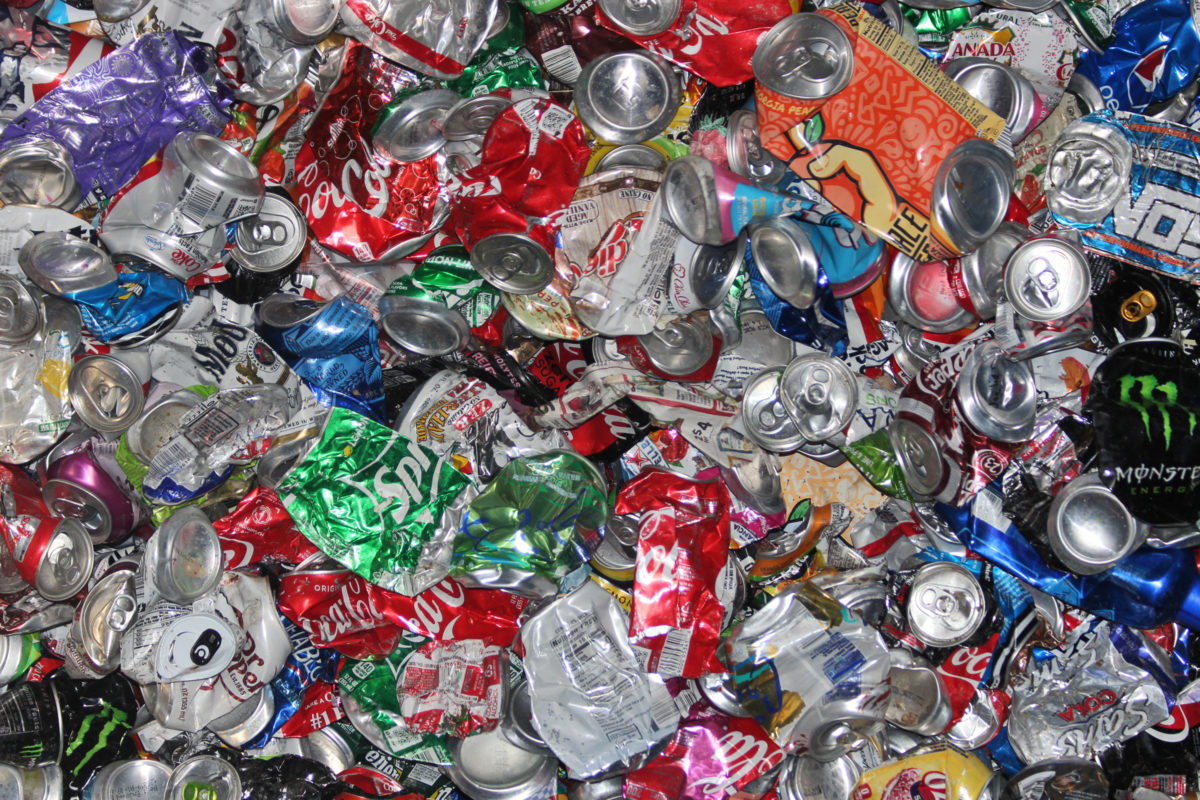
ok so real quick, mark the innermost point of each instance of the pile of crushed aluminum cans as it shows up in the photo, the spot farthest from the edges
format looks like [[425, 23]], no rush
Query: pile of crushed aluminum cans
[[599, 399]]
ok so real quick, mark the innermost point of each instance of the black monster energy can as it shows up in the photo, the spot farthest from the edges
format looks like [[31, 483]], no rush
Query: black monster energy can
[[31, 725]]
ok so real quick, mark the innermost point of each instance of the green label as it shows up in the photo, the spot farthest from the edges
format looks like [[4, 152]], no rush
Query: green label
[[371, 499], [1154, 401], [194, 790]]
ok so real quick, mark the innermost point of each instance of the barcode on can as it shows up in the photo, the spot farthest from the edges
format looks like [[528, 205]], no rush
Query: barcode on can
[[199, 201]]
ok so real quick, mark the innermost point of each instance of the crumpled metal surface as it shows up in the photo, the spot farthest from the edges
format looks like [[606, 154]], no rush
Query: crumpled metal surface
[[1093, 694]]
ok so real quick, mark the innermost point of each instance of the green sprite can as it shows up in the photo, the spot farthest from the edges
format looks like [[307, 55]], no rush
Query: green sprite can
[[375, 501], [535, 523]]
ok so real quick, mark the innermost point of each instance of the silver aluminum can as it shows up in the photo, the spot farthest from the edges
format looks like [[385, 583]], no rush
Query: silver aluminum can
[[75, 485], [978, 277], [820, 394], [38, 172], [679, 349], [627, 97], [764, 416], [513, 263], [183, 560], [1047, 278], [632, 156], [305, 22], [757, 484], [271, 240], [971, 192], [996, 395], [747, 157], [66, 564], [133, 779], [978, 724], [999, 87], [921, 459], [330, 748], [487, 766], [158, 423], [787, 260], [41, 783], [806, 778], [517, 724], [59, 263], [247, 720], [918, 702], [117, 10], [642, 17], [805, 56], [923, 297], [946, 605], [93, 647], [712, 272], [915, 351], [211, 773], [472, 117], [283, 310], [208, 182], [616, 557], [20, 312], [411, 129], [425, 327], [1088, 171], [106, 393], [1089, 528]]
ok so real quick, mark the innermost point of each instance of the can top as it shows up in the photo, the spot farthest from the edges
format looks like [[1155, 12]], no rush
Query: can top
[[971, 192], [983, 268], [105, 392], [513, 263], [690, 199], [787, 260], [820, 393], [137, 777], [997, 396], [999, 87], [273, 238], [412, 129], [642, 17], [20, 312], [284, 310], [423, 326], [632, 156], [38, 172], [211, 772], [305, 21], [157, 424], [1088, 171], [487, 767], [66, 498], [1089, 528], [806, 56], [946, 604], [107, 611], [627, 97], [117, 10], [517, 724], [680, 348], [1047, 278], [920, 456], [922, 296], [183, 558], [60, 264], [767, 421], [66, 564], [472, 116], [747, 157]]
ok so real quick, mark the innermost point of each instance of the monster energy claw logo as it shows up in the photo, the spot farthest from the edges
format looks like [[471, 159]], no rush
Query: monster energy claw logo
[[1152, 398]]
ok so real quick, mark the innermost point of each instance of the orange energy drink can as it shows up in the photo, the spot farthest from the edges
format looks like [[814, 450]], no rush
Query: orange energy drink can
[[866, 119]]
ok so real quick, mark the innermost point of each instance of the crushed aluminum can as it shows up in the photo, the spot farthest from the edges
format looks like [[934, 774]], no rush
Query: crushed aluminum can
[[1047, 278], [54, 556], [75, 486], [134, 779], [61, 264], [1001, 88], [207, 776], [923, 295], [996, 395], [766, 419], [805, 56], [183, 560], [93, 646], [20, 312], [918, 701], [266, 249], [945, 604], [977, 279], [1090, 529], [787, 260], [38, 172], [486, 766], [438, 42], [820, 394], [626, 98], [411, 129]]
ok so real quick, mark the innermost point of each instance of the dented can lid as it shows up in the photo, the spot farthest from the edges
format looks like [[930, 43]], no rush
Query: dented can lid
[[38, 172], [642, 17], [106, 393], [412, 129], [766, 419], [920, 455], [20, 312], [945, 605], [513, 262], [423, 326], [627, 97], [1047, 278], [680, 348], [806, 56], [820, 394], [486, 766], [971, 192], [997, 396], [1089, 528]]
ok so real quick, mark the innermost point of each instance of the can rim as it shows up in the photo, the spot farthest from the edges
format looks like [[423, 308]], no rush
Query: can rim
[[513, 263], [767, 65], [1070, 257], [668, 12], [451, 323], [616, 130]]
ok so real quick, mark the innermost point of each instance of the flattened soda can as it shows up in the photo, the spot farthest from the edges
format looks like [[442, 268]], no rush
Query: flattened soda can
[[923, 295], [805, 56], [208, 182], [204, 778], [486, 766], [76, 486], [93, 646], [38, 172], [31, 726], [20, 312], [996, 395], [61, 264], [183, 560], [412, 128]]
